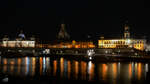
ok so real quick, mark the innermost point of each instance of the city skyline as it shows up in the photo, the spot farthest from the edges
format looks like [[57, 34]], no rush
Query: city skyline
[[89, 35], [74, 41]]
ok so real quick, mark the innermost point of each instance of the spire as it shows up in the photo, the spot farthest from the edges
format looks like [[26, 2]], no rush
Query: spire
[[63, 33], [126, 30]]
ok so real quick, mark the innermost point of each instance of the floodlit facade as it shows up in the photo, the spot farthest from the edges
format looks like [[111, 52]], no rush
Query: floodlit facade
[[74, 44], [18, 42], [13, 43], [122, 43], [126, 42], [81, 44]]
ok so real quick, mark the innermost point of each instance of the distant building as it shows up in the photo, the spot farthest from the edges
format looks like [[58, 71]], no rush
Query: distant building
[[126, 32], [63, 35], [21, 41], [125, 42], [74, 44]]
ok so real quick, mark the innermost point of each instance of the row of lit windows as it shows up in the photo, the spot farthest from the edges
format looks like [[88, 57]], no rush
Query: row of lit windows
[[115, 42], [118, 42]]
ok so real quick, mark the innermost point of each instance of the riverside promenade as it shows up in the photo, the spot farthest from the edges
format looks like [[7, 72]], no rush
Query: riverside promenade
[[98, 52]]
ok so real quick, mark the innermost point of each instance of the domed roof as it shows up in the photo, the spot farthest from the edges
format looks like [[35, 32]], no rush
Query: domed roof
[[21, 35]]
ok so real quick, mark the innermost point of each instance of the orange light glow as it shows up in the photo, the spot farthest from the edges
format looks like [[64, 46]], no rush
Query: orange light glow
[[41, 65], [19, 65], [104, 71], [76, 69], [83, 70], [5, 61], [114, 70], [55, 67], [33, 66], [61, 67], [130, 71], [69, 69], [139, 71]]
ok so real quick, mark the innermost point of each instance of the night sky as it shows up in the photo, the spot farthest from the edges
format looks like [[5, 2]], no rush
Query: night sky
[[83, 17]]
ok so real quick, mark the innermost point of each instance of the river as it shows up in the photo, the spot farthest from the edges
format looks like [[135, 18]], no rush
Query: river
[[59, 70]]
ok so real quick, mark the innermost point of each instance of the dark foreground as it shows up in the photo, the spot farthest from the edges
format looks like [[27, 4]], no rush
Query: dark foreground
[[73, 70]]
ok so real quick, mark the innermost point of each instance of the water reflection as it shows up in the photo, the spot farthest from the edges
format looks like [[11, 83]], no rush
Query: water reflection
[[104, 71], [109, 72], [83, 70], [91, 70], [61, 66], [139, 71], [69, 69]]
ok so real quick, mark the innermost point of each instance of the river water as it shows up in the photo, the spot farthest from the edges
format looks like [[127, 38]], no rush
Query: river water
[[59, 70]]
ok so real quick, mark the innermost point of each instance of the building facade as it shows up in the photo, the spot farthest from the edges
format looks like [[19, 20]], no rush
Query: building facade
[[21, 41], [74, 44], [122, 43], [15, 43], [125, 42]]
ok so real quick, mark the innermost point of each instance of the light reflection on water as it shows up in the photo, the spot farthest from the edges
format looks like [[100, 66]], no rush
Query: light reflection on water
[[109, 72]]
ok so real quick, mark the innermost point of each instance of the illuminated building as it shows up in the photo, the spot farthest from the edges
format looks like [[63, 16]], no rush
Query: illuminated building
[[82, 44], [74, 44], [125, 42], [18, 42], [126, 32]]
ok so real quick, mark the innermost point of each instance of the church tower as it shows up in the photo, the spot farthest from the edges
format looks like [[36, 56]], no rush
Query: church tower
[[126, 32], [63, 35]]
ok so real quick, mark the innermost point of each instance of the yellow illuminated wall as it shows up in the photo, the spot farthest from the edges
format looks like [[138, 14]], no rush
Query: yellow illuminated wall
[[74, 44], [122, 43], [118, 43], [139, 44]]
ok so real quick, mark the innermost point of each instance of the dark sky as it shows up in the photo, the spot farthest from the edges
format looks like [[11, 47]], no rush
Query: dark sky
[[83, 17]]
